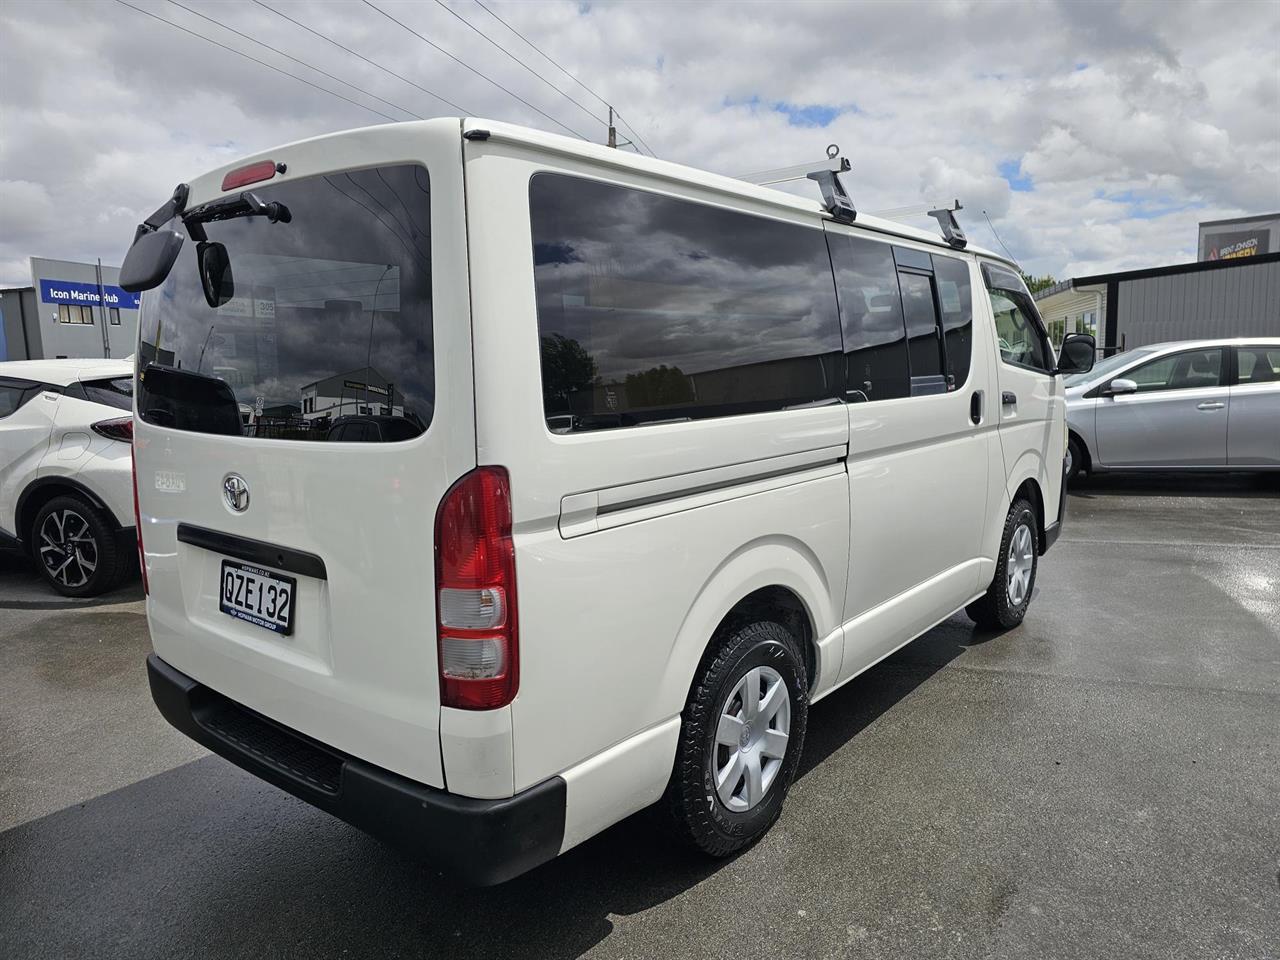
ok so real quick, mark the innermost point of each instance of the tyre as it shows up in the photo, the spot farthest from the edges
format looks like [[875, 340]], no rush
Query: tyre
[[1005, 603], [75, 547], [741, 735], [1076, 461]]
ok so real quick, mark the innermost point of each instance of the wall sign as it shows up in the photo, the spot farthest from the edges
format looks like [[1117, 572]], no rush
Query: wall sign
[[70, 291]]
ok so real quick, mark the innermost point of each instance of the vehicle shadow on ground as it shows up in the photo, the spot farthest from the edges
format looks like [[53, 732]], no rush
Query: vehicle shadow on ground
[[1261, 486], [22, 588], [226, 865]]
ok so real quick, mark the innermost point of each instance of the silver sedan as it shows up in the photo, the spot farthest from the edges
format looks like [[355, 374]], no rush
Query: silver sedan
[[1193, 405]]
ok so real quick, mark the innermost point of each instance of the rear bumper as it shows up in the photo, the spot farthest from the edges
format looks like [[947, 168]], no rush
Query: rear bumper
[[481, 841]]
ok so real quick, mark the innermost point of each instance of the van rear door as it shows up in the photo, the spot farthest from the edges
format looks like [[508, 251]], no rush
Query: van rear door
[[304, 402]]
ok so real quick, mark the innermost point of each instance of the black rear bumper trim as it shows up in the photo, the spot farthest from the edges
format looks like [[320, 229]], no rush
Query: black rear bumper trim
[[483, 842], [254, 551]]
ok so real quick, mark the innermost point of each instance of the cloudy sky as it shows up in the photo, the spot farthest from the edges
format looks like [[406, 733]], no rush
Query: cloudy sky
[[1095, 135]]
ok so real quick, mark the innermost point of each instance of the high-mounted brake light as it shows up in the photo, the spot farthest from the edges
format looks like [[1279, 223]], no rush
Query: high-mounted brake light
[[476, 625], [137, 523], [253, 173], [119, 429]]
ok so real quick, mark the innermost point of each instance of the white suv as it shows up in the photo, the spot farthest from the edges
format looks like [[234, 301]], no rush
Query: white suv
[[66, 470], [571, 479]]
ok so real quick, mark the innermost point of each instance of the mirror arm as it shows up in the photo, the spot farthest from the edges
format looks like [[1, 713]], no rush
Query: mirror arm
[[166, 212]]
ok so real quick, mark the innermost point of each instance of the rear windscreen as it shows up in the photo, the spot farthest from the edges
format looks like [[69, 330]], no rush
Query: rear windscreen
[[323, 323]]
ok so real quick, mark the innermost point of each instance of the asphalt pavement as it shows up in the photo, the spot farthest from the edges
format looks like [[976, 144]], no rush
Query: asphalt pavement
[[1103, 781]]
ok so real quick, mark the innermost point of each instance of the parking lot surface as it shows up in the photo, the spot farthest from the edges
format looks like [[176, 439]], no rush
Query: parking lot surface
[[1103, 781]]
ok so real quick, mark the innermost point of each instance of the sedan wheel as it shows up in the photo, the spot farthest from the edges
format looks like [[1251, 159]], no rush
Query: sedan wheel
[[67, 548]]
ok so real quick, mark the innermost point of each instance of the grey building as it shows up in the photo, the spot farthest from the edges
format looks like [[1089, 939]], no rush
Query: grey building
[[1233, 297], [70, 310]]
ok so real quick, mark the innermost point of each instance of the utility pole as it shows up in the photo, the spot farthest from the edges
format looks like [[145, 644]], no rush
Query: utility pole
[[613, 133], [102, 314]]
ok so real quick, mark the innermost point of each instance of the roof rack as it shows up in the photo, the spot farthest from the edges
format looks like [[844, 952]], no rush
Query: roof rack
[[951, 230], [825, 172]]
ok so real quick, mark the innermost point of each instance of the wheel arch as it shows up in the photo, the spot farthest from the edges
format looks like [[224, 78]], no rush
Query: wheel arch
[[1074, 434], [1030, 490], [776, 578], [40, 491]]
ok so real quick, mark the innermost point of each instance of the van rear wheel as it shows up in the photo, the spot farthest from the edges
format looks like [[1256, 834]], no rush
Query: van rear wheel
[[741, 734], [1005, 603]]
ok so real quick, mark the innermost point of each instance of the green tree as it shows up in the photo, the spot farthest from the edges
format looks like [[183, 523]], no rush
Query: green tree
[[1036, 284]]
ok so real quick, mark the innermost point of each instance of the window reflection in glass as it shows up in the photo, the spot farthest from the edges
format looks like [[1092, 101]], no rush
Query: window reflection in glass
[[330, 315], [656, 309], [875, 339]]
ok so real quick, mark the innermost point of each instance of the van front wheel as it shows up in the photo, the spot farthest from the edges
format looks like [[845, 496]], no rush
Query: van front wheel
[[1005, 603], [741, 734]]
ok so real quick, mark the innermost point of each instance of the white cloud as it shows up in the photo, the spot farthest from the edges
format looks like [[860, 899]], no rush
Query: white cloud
[[1132, 120]]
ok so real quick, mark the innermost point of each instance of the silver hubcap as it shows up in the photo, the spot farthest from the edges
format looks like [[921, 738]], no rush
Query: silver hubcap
[[1022, 558], [1069, 461], [67, 548], [751, 738]]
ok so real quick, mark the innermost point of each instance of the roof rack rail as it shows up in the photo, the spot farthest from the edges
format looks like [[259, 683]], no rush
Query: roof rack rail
[[825, 173], [951, 229]]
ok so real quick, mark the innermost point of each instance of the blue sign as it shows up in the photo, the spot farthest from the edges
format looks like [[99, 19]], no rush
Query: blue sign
[[86, 294]]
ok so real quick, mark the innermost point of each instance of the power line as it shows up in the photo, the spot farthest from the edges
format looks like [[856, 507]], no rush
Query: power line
[[507, 53], [468, 66], [293, 58], [264, 63], [635, 133], [374, 63]]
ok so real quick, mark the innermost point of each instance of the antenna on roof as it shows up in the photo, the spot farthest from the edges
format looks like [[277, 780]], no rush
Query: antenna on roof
[[826, 173]]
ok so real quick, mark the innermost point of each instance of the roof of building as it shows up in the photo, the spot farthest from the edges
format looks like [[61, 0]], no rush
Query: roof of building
[[1234, 220], [1147, 273]]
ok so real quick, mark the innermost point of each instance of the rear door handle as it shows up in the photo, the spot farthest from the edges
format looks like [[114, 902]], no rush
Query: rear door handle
[[975, 407], [1210, 405], [1008, 398]]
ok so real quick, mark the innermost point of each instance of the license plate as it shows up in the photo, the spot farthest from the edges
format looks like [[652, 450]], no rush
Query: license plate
[[261, 597]]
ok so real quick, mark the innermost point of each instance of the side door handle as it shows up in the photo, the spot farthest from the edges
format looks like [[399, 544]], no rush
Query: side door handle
[[1008, 398], [1210, 405], [975, 407]]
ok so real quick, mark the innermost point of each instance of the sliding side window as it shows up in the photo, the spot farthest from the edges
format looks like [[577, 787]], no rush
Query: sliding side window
[[655, 309], [875, 340]]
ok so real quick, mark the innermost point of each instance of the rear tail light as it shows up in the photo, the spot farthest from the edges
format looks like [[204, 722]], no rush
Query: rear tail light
[[119, 429], [137, 524], [476, 622]]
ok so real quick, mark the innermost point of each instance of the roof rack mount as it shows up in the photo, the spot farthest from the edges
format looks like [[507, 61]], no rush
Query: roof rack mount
[[825, 172]]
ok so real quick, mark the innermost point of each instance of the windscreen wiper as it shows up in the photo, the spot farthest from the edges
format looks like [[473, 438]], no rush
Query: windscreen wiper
[[246, 204]]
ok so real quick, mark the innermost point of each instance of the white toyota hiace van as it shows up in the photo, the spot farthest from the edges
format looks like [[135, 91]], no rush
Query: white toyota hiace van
[[571, 478]]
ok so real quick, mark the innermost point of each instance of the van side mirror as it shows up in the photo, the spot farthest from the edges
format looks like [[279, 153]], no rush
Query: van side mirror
[[149, 260], [1077, 353]]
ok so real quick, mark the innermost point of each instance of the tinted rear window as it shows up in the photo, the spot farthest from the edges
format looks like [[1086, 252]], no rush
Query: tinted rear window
[[652, 308], [116, 392], [329, 315]]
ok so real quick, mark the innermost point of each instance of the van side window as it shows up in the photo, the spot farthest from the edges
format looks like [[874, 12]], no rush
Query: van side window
[[922, 332], [875, 340], [1019, 330], [654, 309], [955, 296]]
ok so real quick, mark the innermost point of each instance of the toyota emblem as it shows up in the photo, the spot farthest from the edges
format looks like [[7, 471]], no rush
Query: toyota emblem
[[235, 492]]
